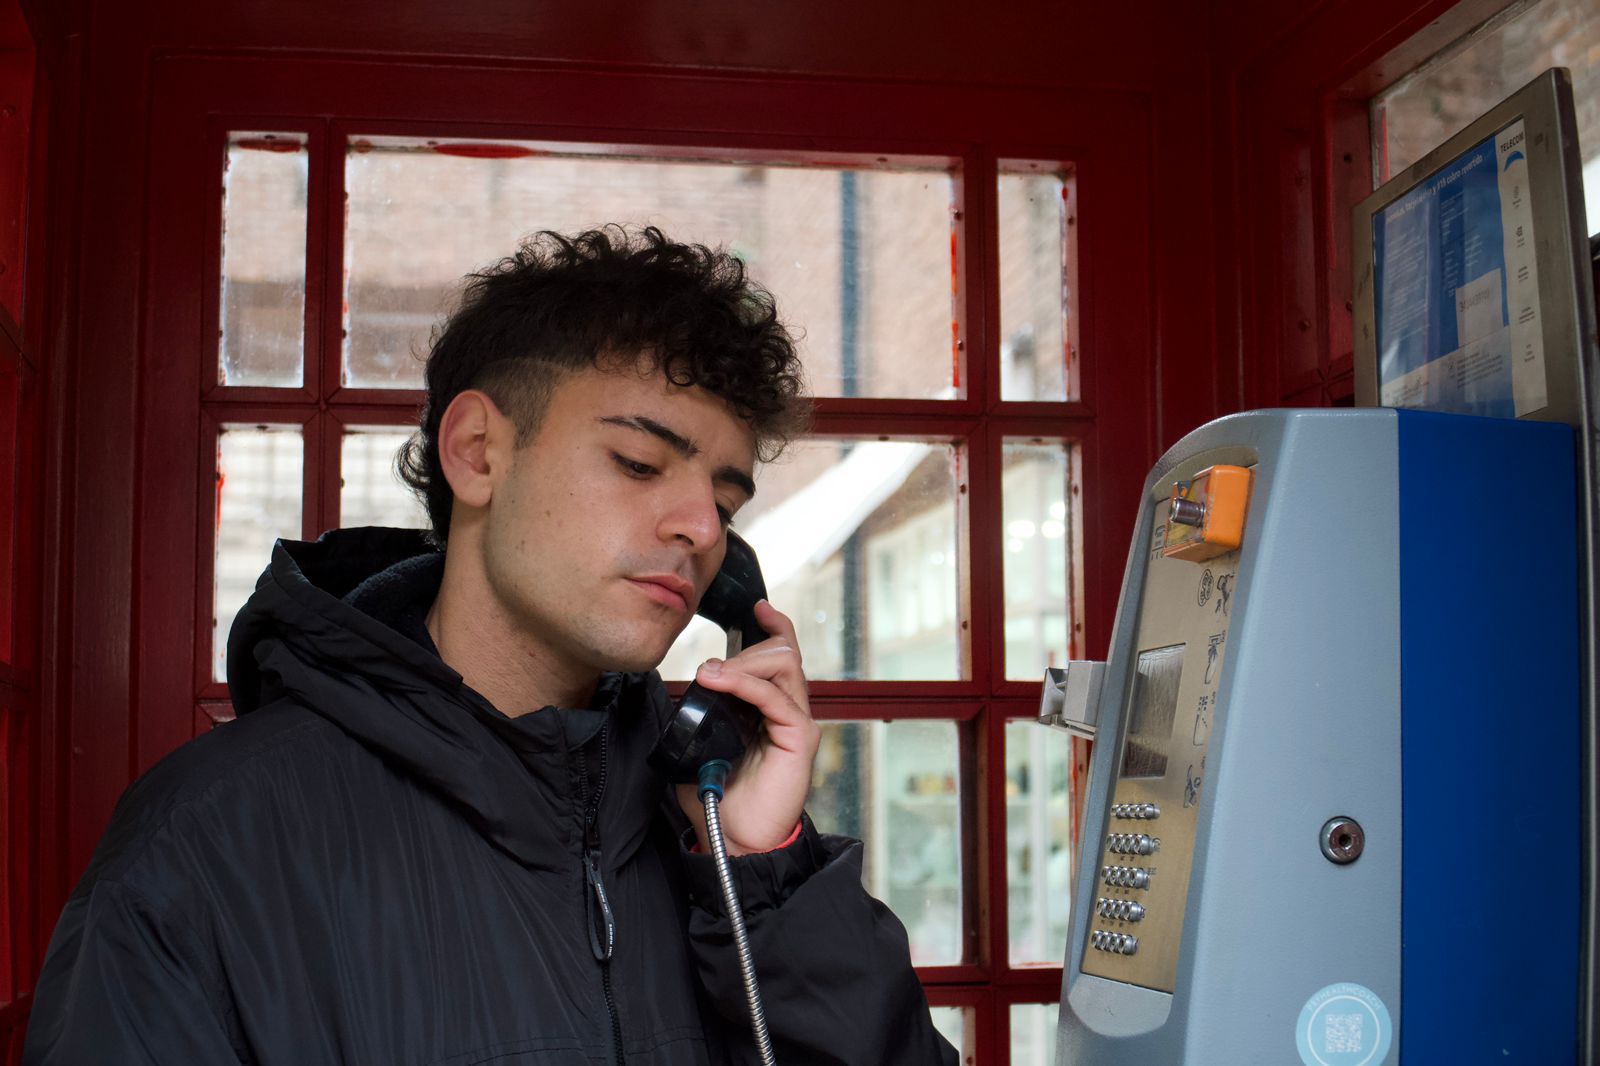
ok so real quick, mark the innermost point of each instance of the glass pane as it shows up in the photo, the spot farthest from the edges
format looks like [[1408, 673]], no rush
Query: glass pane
[[264, 188], [1039, 793], [1421, 112], [1033, 1033], [1040, 553], [857, 542], [370, 492], [860, 260], [896, 787], [952, 1025], [259, 478], [1038, 282]]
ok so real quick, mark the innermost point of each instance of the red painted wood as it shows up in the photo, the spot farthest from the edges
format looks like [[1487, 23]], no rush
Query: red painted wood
[[16, 115], [1166, 122], [25, 103], [1030, 42], [1296, 114], [1349, 145]]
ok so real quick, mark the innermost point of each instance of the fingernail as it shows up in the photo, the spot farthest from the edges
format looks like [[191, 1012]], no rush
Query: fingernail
[[711, 667]]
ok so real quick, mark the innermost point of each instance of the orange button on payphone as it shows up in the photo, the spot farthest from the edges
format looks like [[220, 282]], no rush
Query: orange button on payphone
[[1207, 512]]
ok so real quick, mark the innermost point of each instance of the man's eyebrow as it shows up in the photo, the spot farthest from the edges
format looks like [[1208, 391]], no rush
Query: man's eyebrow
[[680, 444], [684, 447]]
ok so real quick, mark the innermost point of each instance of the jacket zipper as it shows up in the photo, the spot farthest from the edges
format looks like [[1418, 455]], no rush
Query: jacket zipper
[[602, 922]]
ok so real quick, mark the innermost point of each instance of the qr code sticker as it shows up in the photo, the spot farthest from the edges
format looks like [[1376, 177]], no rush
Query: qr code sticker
[[1341, 1032]]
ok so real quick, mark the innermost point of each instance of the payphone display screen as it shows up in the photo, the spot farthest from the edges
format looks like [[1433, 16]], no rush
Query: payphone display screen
[[1153, 708]]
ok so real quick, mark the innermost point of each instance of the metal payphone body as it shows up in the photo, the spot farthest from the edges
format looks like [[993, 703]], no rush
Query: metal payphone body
[[1341, 759]]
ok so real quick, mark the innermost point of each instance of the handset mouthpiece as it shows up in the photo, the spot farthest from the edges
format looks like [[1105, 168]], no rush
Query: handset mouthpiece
[[714, 776]]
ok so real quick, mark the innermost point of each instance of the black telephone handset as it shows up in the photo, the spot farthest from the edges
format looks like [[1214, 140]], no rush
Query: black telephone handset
[[714, 725]]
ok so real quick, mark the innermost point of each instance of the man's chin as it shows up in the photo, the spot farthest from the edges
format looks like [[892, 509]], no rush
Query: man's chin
[[642, 654]]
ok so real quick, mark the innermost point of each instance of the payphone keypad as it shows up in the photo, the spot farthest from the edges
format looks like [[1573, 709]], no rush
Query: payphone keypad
[[1170, 707]]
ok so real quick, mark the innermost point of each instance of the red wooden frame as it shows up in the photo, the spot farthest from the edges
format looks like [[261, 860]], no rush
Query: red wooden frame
[[26, 94], [198, 100]]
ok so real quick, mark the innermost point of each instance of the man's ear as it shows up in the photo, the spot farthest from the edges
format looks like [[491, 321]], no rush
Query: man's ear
[[475, 444]]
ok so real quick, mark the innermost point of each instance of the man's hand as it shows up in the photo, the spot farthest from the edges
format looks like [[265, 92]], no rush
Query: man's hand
[[764, 797]]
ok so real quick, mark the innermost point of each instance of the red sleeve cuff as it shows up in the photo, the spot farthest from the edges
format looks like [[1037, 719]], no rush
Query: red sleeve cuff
[[698, 850]]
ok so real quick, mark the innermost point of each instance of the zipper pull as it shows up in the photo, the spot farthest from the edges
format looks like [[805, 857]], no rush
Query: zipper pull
[[602, 925]]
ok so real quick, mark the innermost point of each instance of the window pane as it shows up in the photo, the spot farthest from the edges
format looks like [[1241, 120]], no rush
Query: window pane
[[1039, 787], [858, 544], [1038, 268], [1040, 553], [264, 186], [1033, 1033], [259, 478], [860, 260], [1422, 111], [952, 1025], [896, 786], [370, 491]]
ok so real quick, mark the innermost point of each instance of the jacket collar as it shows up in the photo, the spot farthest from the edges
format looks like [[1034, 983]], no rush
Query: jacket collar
[[334, 626]]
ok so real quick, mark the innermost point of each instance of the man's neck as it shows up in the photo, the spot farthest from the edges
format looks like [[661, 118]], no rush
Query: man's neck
[[480, 642]]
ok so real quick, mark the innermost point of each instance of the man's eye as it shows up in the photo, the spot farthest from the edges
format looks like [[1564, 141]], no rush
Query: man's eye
[[633, 467], [726, 516]]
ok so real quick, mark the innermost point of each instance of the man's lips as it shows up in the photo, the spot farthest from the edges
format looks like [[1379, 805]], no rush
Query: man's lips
[[668, 589]]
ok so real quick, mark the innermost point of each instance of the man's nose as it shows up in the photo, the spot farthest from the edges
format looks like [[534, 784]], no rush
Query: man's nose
[[693, 518]]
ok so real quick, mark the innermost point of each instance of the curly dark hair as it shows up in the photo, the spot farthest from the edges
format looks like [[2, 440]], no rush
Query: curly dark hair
[[597, 299]]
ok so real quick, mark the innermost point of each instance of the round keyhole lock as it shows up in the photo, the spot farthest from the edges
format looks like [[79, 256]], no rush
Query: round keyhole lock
[[1343, 840], [1188, 512]]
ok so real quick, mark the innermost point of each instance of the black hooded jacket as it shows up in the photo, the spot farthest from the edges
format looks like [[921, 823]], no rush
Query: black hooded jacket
[[374, 865]]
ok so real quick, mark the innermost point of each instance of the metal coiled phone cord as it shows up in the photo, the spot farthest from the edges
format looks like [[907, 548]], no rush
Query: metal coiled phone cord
[[712, 776]]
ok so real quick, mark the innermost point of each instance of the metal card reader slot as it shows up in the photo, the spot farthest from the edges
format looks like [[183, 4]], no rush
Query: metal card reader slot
[[1071, 697]]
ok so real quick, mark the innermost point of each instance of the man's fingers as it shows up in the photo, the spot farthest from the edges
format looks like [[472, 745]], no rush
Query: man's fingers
[[776, 623], [772, 660], [774, 702]]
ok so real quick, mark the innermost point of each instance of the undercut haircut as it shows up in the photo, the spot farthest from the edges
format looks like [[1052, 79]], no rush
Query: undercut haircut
[[607, 299]]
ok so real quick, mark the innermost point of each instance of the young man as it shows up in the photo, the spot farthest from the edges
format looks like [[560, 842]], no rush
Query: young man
[[432, 835]]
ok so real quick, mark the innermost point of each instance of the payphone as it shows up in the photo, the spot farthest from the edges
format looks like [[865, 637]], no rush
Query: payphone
[[1333, 805], [1343, 805]]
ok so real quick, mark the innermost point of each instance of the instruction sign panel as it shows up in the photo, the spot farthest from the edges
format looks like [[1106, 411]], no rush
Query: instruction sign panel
[[1457, 286]]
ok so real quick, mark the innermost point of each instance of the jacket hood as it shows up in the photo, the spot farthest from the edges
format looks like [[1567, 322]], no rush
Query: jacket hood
[[335, 626]]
